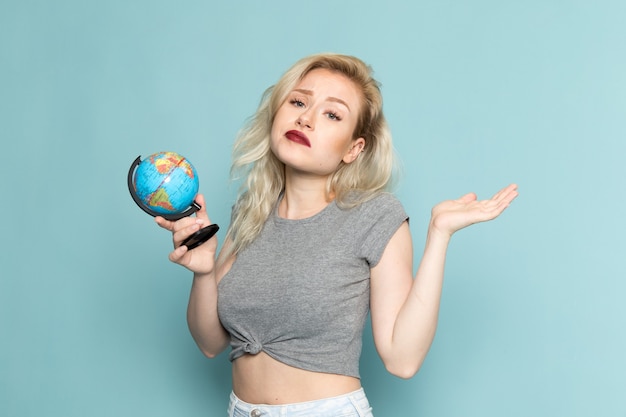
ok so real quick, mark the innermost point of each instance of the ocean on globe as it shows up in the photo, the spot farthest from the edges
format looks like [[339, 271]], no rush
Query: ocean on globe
[[166, 183]]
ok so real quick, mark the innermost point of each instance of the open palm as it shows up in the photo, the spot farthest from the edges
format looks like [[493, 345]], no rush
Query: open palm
[[452, 215]]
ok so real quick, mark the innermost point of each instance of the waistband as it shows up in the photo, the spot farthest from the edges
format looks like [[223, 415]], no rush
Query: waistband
[[321, 407]]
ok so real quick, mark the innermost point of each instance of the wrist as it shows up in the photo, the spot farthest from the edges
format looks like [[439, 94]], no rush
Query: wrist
[[436, 235], [203, 276]]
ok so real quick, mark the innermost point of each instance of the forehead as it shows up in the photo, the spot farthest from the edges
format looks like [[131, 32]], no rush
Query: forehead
[[331, 84]]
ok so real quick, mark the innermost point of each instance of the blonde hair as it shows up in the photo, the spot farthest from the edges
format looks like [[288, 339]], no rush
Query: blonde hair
[[263, 174]]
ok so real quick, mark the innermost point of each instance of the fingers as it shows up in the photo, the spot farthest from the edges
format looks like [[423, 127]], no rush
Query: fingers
[[177, 254], [507, 192], [507, 195], [165, 224], [498, 202], [502, 199], [182, 230], [202, 214], [467, 198], [190, 224], [492, 208], [452, 215]]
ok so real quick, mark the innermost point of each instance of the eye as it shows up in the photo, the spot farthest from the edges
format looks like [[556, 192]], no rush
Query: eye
[[296, 102], [333, 116]]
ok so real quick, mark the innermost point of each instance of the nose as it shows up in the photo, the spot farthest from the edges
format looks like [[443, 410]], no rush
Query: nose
[[305, 120]]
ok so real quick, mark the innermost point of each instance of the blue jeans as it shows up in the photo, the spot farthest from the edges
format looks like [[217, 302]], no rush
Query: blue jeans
[[354, 404]]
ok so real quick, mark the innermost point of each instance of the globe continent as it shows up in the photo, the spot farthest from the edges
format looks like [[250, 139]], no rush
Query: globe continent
[[166, 183]]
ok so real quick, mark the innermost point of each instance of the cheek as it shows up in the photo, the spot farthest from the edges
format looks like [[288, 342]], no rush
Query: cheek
[[275, 128], [273, 142], [344, 141], [282, 113], [333, 153]]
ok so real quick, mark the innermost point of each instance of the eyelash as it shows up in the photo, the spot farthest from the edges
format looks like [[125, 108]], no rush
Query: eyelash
[[331, 115], [296, 102]]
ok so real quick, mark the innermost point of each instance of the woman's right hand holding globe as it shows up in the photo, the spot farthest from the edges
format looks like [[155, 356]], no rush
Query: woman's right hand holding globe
[[200, 260]]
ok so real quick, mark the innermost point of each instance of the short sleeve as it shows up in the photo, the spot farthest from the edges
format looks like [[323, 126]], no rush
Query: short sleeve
[[379, 220]]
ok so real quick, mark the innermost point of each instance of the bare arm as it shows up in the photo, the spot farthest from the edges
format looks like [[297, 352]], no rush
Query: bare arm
[[405, 310], [202, 317]]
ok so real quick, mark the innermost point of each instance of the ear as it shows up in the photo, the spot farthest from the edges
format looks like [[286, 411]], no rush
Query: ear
[[355, 150]]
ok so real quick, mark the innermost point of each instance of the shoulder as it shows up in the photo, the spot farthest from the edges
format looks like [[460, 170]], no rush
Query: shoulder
[[376, 220], [383, 199], [382, 205]]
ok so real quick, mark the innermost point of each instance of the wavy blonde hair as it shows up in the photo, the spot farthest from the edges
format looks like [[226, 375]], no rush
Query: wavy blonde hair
[[264, 175]]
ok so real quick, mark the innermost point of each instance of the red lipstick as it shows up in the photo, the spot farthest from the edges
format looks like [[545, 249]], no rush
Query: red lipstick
[[298, 137]]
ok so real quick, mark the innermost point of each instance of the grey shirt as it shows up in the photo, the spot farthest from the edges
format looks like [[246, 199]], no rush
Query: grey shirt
[[300, 291]]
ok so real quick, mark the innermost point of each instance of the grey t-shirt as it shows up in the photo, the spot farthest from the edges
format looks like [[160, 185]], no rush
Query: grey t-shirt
[[300, 291]]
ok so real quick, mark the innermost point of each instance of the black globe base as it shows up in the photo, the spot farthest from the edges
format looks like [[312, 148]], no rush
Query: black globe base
[[200, 236]]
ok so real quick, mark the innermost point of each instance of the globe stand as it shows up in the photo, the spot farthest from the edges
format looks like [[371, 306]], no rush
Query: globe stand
[[193, 241]]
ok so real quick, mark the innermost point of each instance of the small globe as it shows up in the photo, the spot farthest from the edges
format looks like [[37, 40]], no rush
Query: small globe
[[165, 183]]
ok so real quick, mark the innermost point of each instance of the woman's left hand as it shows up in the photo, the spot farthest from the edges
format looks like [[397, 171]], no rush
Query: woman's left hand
[[450, 216]]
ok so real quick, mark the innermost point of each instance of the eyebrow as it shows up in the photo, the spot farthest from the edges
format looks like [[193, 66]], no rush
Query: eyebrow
[[331, 98]]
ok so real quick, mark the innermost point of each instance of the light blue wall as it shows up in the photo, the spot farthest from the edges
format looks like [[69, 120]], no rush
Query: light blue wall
[[478, 94]]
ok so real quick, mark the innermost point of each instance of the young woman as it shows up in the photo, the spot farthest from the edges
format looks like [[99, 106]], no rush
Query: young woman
[[315, 242]]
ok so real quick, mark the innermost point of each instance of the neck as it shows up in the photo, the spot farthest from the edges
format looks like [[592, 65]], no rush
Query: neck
[[304, 196]]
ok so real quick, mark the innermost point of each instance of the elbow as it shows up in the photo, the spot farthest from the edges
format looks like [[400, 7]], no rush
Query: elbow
[[405, 369], [208, 349], [404, 372], [211, 351], [209, 354]]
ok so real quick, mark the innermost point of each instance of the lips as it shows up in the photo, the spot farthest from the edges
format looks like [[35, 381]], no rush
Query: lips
[[298, 137]]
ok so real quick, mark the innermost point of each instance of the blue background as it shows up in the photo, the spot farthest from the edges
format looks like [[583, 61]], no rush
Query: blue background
[[478, 94]]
